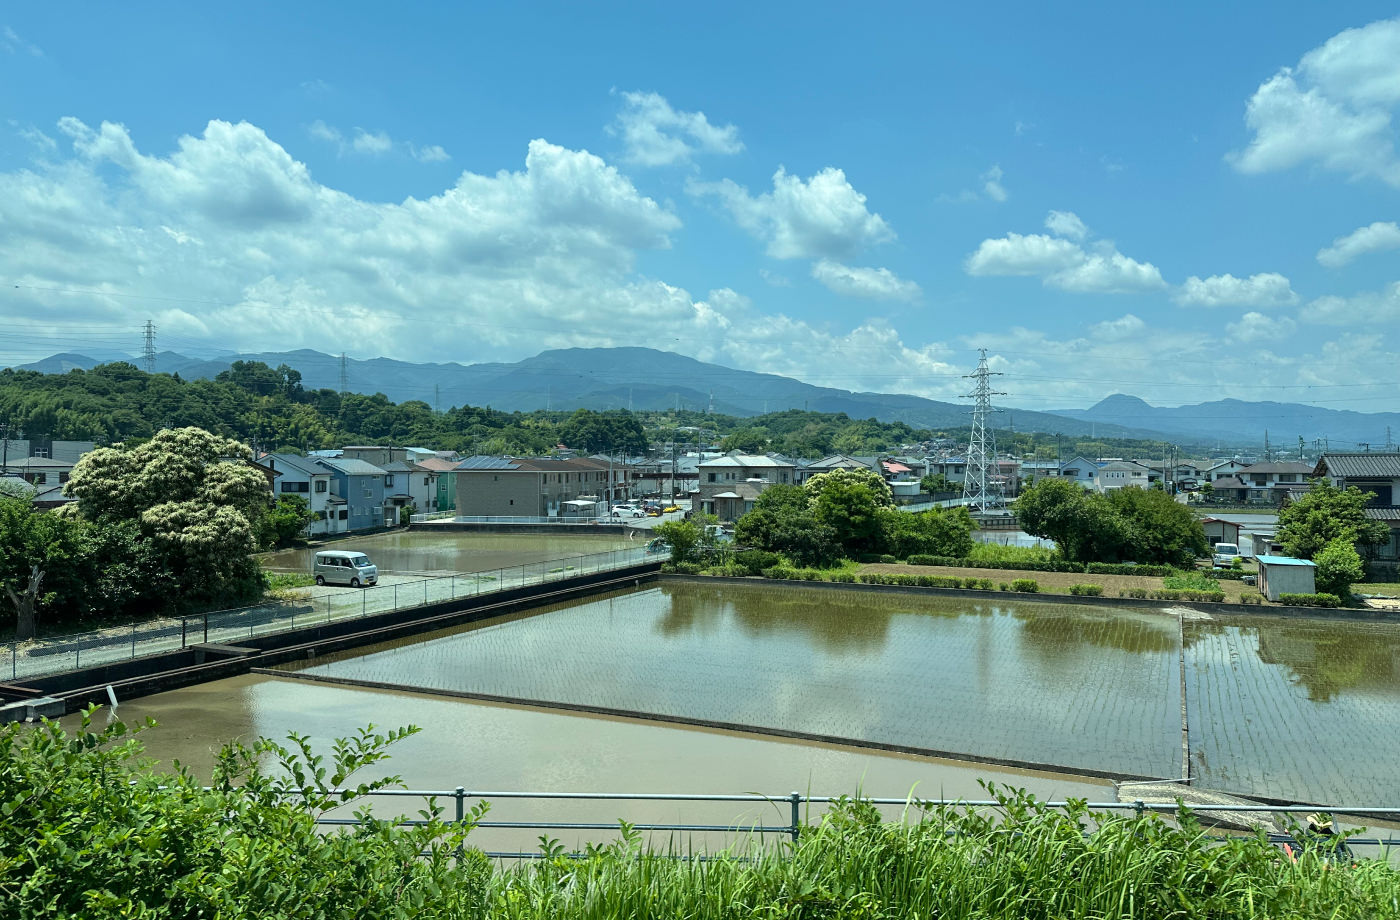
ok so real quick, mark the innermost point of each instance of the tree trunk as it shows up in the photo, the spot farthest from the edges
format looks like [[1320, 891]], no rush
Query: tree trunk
[[26, 623]]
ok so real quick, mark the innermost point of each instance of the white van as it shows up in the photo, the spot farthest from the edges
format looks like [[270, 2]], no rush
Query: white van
[[344, 567], [1224, 555]]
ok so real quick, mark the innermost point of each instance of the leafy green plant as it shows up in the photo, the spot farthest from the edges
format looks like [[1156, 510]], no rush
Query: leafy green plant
[[1086, 590], [1321, 599], [1025, 585]]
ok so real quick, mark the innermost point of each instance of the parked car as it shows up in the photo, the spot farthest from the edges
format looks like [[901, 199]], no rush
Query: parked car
[[344, 567], [1225, 554], [670, 508]]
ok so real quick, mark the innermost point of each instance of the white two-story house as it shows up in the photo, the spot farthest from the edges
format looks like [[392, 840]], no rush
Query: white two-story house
[[729, 484]]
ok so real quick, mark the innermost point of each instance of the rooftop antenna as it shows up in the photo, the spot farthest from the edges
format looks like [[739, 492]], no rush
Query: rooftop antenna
[[979, 487], [148, 356], [344, 372]]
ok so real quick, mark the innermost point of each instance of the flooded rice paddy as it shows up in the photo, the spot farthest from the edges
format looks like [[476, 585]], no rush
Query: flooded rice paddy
[[426, 551], [1298, 709]]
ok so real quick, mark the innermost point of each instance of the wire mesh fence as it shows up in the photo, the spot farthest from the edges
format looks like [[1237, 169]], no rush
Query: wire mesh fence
[[297, 609]]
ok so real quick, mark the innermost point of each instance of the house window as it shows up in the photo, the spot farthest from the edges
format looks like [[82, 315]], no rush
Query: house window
[[389, 480], [343, 514], [41, 479], [320, 485], [425, 480], [712, 477]]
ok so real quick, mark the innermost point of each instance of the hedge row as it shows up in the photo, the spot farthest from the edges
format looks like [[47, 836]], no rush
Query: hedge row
[[1054, 565], [1310, 600], [1226, 574], [927, 581], [1086, 590], [1175, 594], [1028, 566]]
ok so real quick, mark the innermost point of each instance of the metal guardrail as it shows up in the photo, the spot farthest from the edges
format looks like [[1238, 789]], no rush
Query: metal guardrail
[[795, 803], [68, 653]]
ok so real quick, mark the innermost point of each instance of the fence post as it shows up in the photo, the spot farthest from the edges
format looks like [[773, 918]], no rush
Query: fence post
[[362, 602], [1138, 807], [796, 800], [460, 794], [206, 628], [184, 628], [396, 597], [133, 640], [425, 592], [14, 659]]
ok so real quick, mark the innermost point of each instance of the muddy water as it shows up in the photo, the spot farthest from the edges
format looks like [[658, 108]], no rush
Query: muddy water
[[1043, 683], [425, 551], [494, 748]]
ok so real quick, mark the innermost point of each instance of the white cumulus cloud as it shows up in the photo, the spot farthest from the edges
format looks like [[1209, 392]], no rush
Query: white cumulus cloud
[[1335, 109], [1377, 237], [1369, 308], [372, 143], [823, 217], [1256, 327], [1266, 289], [1062, 263], [872, 283], [655, 134], [1066, 224]]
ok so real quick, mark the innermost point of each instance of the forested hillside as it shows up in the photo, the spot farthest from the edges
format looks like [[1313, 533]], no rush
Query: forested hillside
[[268, 407]]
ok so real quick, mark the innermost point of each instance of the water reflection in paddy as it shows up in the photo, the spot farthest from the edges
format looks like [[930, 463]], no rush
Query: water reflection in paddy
[[1040, 683], [1302, 709]]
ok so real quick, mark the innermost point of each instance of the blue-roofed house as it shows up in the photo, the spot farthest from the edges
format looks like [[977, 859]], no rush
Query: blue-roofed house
[[306, 477]]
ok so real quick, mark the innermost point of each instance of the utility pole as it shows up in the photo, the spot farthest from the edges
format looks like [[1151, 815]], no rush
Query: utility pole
[[148, 356], [979, 488]]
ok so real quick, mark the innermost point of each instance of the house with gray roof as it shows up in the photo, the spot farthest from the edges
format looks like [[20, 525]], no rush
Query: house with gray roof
[[1377, 472], [730, 484], [357, 491], [530, 487]]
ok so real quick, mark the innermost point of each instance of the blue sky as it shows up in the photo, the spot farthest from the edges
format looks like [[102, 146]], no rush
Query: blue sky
[[1184, 205]]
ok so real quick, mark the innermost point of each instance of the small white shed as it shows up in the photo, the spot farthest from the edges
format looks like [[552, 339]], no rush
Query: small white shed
[[1285, 575]]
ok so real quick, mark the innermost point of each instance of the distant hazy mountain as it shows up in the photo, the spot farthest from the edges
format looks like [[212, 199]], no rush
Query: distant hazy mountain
[[1234, 421], [606, 378], [643, 378]]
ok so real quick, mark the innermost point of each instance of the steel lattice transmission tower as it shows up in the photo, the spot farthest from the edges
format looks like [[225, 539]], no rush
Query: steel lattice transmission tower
[[344, 372], [148, 356], [981, 483]]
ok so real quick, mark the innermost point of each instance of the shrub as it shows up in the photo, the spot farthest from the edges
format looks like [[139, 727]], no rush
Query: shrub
[[1255, 598], [1171, 594], [683, 568], [756, 560], [1003, 555], [844, 578], [1194, 581], [1225, 574], [731, 570], [1025, 585], [925, 559], [1003, 587], [1139, 593], [1086, 590], [1310, 600], [887, 559], [1123, 568]]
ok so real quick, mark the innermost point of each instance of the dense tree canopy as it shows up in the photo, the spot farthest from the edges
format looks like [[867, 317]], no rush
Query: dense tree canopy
[[1325, 513], [1126, 525]]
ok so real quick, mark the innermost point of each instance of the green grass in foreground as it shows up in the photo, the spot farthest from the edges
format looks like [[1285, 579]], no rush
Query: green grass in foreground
[[280, 581], [1377, 587], [90, 831]]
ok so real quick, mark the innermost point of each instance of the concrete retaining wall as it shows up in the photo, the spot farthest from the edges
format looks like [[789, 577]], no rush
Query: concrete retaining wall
[[196, 664], [1272, 610]]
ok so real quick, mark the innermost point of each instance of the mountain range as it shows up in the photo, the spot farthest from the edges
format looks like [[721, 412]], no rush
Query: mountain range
[[647, 379]]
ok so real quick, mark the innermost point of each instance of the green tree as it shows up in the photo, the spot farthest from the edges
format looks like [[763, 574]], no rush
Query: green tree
[[1085, 527], [745, 441], [283, 523], [604, 432], [1325, 513], [1165, 530], [1339, 566], [40, 557], [850, 502], [685, 538], [790, 529], [935, 533], [937, 483], [196, 498]]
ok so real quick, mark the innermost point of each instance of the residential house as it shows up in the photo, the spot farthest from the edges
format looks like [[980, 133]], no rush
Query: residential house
[[1377, 472], [730, 484], [305, 476], [399, 493], [524, 487], [43, 448], [1032, 471], [357, 489], [44, 477], [953, 469], [1223, 470], [1120, 474], [1080, 470], [1272, 483]]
